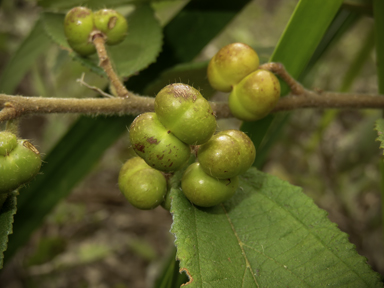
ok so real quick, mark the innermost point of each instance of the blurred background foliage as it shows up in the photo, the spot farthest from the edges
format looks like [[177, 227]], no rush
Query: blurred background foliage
[[96, 239]]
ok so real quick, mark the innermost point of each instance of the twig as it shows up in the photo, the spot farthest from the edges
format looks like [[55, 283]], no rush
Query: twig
[[105, 63], [94, 88], [278, 69], [16, 106]]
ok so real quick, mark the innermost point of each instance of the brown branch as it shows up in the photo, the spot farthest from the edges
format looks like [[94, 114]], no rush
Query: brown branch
[[278, 69], [105, 63], [16, 106], [311, 99]]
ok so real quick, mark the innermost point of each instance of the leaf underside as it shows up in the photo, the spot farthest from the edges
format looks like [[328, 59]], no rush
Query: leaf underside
[[269, 234]]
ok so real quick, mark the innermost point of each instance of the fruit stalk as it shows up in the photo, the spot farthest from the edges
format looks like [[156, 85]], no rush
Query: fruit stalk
[[105, 63]]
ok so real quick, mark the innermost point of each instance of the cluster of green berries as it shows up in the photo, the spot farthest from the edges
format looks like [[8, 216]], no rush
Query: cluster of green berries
[[254, 92], [163, 140], [19, 162], [81, 25]]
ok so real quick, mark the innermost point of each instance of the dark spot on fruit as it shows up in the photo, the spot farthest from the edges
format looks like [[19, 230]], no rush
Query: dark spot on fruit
[[139, 147], [170, 151], [112, 22], [158, 157], [169, 131], [152, 141], [170, 164]]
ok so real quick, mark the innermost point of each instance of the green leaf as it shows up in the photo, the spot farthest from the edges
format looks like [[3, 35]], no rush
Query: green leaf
[[142, 45], [269, 234], [71, 160], [184, 41], [7, 210], [139, 49], [33, 45]]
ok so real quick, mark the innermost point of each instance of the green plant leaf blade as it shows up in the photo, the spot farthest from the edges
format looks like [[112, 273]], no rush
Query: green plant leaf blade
[[32, 46], [7, 211], [142, 45], [269, 234], [139, 49]]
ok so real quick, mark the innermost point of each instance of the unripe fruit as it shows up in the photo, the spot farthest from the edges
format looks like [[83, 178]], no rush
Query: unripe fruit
[[20, 163], [112, 24], [143, 186], [156, 145], [8, 142], [78, 25], [230, 65], [186, 113], [255, 96], [227, 154], [204, 190]]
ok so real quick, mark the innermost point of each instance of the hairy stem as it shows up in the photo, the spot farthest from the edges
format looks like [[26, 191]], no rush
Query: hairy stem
[[105, 63], [279, 70], [16, 106]]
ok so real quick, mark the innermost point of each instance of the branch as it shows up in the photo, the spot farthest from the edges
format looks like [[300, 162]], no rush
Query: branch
[[105, 63], [311, 99], [131, 104], [16, 106]]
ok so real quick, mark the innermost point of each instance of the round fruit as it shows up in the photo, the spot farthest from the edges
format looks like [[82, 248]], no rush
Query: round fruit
[[204, 190], [255, 96], [8, 142], [112, 24], [156, 145], [186, 113], [78, 25], [143, 186], [19, 165], [231, 64], [227, 154]]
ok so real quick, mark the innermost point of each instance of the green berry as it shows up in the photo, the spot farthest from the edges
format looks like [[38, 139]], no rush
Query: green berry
[[255, 96], [186, 113], [230, 65], [20, 164], [78, 26], [227, 154], [112, 24], [204, 190], [143, 186], [157, 145], [8, 142]]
